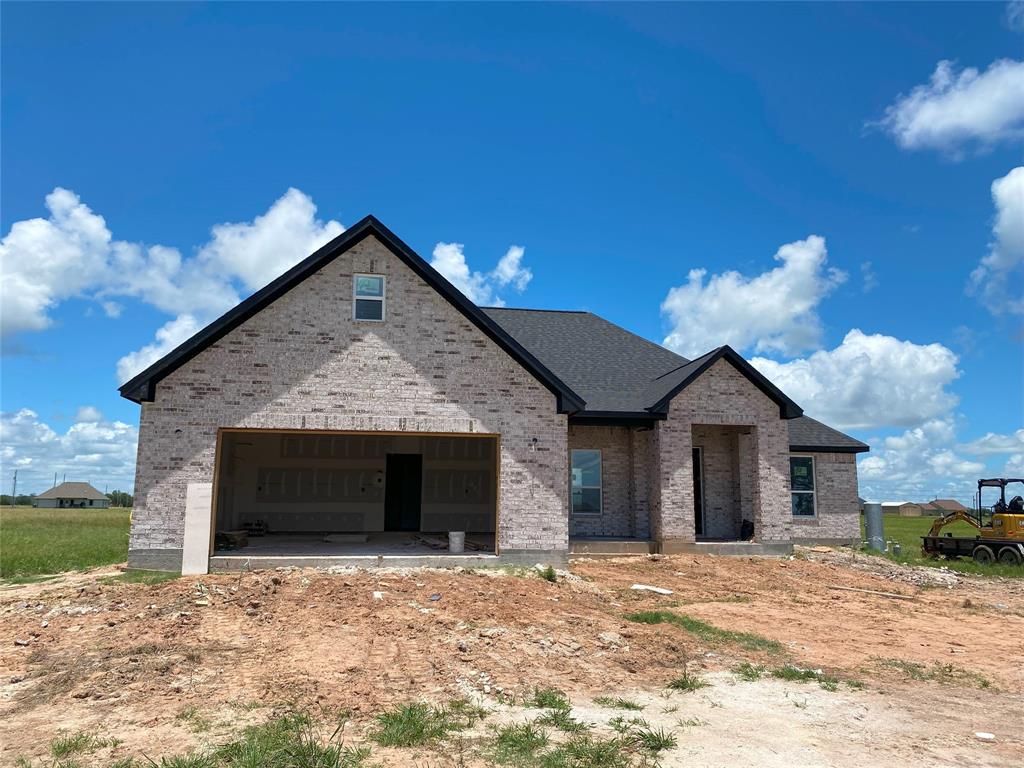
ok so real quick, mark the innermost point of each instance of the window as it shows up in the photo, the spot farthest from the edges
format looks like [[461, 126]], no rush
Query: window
[[368, 297], [586, 482], [801, 485]]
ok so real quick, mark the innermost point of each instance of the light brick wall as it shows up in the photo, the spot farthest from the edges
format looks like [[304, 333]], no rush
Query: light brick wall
[[836, 502], [723, 396], [303, 363], [616, 518], [720, 448]]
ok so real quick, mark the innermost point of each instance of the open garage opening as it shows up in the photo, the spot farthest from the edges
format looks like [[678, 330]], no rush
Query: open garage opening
[[334, 494]]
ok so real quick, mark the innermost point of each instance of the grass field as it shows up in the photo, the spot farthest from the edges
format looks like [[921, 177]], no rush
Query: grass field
[[42, 541], [908, 532]]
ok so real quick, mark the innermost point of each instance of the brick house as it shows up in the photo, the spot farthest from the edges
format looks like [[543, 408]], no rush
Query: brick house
[[359, 406]]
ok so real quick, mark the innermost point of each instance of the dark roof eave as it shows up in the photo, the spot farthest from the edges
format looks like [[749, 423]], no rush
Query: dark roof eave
[[829, 448], [616, 418], [142, 387], [787, 408]]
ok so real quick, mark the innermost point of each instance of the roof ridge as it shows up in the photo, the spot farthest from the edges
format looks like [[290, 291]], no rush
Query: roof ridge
[[531, 309]]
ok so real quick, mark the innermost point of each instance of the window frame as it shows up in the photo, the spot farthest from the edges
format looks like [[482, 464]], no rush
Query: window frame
[[357, 298], [814, 483], [599, 486]]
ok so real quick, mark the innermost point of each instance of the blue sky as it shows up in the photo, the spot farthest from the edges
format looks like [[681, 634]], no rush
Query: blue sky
[[620, 146]]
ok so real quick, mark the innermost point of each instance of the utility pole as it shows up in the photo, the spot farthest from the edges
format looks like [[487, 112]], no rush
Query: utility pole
[[14, 489], [54, 479]]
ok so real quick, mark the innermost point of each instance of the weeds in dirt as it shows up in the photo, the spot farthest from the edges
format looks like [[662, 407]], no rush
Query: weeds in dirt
[[687, 681], [937, 672], [290, 741], [78, 743], [518, 744], [655, 741], [549, 574], [617, 702], [707, 632], [562, 720], [418, 724], [194, 720], [622, 725], [547, 698], [593, 752], [798, 675], [137, 576], [749, 672]]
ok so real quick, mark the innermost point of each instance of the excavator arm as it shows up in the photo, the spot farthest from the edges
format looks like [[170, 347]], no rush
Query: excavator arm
[[952, 517]]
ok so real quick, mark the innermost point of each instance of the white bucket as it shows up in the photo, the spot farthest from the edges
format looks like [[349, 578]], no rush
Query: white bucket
[[457, 541]]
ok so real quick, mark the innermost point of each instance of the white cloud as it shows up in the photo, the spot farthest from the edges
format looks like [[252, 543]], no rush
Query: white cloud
[[869, 279], [88, 413], [1015, 15], [1004, 264], [992, 443], [256, 252], [44, 261], [1014, 466], [771, 312], [168, 336], [72, 253], [955, 109], [918, 465], [869, 381], [481, 288], [91, 450]]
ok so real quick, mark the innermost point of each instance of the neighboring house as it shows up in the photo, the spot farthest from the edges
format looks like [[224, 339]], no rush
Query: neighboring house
[[901, 508], [943, 507], [72, 495], [360, 393]]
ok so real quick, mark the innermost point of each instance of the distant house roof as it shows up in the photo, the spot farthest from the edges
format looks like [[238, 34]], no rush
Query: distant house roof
[[72, 491], [900, 504], [946, 505]]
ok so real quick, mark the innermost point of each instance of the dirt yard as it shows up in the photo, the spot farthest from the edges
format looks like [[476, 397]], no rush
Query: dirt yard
[[919, 676]]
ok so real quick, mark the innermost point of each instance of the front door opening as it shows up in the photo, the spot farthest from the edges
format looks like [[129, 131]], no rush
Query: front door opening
[[698, 492], [309, 493]]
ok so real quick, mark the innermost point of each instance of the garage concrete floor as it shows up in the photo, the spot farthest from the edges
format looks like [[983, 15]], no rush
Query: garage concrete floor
[[376, 545]]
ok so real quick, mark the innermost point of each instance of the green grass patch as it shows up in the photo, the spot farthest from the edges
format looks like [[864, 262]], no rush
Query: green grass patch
[[708, 633], [194, 720], [908, 532], [44, 541], [589, 751], [617, 702], [655, 741], [138, 576], [562, 720], [66, 745], [686, 682], [547, 698], [417, 724], [937, 672], [518, 744], [749, 672], [799, 675], [548, 574]]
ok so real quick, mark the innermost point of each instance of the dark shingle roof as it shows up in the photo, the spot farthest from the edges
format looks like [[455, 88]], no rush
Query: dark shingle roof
[[607, 365], [72, 491], [617, 371], [807, 434]]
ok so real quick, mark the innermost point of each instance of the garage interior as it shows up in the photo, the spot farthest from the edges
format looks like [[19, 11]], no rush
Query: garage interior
[[317, 494]]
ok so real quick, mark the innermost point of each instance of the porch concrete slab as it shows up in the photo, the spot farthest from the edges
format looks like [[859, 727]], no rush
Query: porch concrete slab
[[730, 548], [597, 546]]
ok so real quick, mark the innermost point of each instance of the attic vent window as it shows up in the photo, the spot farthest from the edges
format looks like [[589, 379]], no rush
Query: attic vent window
[[368, 297]]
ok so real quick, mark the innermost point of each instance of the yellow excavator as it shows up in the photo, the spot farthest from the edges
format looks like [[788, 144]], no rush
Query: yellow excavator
[[1002, 539]]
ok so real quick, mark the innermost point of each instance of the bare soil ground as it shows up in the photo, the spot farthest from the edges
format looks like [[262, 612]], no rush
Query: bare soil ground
[[143, 663]]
